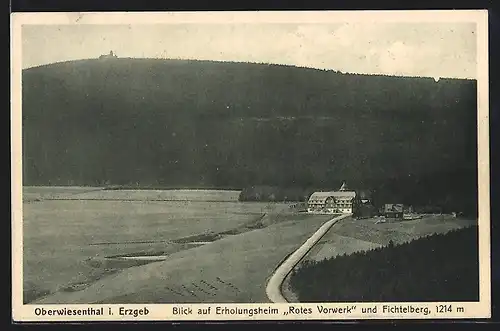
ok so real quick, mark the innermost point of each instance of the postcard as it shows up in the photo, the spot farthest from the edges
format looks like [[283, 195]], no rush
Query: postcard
[[217, 166]]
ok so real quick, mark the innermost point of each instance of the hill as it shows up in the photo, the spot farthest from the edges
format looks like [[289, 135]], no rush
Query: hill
[[212, 124]]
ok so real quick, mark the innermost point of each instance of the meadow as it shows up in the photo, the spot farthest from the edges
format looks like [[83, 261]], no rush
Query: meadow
[[88, 245], [352, 235], [31, 193], [75, 246], [38, 193]]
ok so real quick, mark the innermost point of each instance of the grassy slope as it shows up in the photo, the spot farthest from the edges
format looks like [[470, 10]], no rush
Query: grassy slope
[[255, 237], [440, 267], [237, 266], [31, 193], [209, 124], [59, 236]]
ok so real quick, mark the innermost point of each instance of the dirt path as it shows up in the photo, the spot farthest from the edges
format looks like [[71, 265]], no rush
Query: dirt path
[[273, 289]]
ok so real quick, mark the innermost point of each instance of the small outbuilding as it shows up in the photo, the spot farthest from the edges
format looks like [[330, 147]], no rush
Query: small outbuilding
[[393, 211]]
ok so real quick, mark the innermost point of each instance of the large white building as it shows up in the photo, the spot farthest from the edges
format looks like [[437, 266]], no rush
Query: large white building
[[342, 201]]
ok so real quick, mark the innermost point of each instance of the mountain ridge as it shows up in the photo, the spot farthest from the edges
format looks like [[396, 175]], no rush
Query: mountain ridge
[[247, 62]]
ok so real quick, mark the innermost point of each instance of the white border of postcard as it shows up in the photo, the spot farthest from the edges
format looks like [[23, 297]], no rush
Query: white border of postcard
[[263, 311]]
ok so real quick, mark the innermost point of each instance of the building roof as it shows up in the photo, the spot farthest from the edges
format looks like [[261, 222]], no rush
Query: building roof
[[344, 194], [320, 197]]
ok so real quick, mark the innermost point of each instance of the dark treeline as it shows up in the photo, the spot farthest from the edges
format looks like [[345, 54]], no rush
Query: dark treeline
[[172, 123], [443, 192], [421, 270]]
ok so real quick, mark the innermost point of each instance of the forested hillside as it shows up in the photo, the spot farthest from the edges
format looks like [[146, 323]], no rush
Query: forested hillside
[[180, 123]]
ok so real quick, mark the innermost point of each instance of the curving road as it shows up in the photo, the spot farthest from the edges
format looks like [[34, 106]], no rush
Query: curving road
[[273, 289]]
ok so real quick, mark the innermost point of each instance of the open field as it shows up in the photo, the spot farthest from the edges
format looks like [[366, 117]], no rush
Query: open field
[[169, 195], [80, 250], [87, 245], [37, 193], [95, 193]]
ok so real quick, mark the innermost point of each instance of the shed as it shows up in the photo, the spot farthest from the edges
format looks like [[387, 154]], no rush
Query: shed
[[393, 210]]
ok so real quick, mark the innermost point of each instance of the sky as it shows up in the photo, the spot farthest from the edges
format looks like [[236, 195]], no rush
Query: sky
[[438, 50]]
